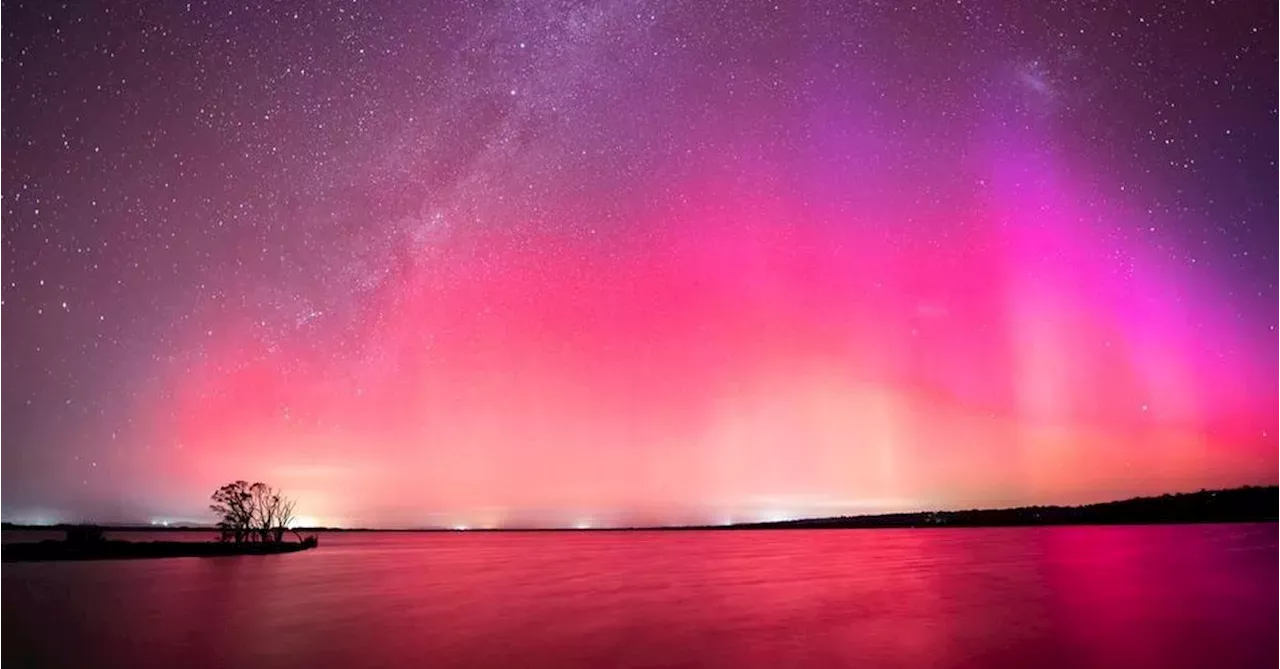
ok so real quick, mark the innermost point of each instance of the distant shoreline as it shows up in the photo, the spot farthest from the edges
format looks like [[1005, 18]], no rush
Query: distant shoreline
[[1249, 504]]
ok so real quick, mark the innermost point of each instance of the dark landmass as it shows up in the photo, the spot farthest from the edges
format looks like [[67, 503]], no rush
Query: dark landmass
[[74, 548], [1250, 504]]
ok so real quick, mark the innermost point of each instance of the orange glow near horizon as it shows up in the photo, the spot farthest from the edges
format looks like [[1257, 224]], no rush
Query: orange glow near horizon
[[765, 371]]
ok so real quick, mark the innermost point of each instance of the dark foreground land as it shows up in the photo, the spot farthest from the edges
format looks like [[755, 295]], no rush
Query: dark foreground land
[[122, 550]]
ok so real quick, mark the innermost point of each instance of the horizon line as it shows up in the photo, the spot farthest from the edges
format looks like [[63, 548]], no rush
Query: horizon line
[[755, 524]]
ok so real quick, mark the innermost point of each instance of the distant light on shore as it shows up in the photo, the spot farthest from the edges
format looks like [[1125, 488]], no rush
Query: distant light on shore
[[776, 516], [37, 518]]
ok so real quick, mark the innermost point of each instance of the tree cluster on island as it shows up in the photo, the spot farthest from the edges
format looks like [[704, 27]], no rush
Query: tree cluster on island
[[251, 512]]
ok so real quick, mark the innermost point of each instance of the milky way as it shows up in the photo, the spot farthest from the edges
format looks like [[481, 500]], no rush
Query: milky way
[[493, 264]]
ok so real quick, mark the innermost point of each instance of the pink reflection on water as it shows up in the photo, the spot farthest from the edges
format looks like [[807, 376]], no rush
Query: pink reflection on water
[[1162, 596], [1188, 596]]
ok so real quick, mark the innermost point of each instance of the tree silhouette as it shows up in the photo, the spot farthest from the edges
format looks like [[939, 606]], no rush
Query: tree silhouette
[[233, 503], [252, 512], [284, 517], [264, 508]]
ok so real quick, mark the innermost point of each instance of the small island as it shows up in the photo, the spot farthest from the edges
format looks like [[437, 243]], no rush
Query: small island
[[254, 519]]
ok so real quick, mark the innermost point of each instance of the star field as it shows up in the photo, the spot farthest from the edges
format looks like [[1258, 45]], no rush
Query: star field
[[634, 261]]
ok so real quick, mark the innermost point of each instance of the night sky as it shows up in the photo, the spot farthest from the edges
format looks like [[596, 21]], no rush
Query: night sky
[[499, 264]]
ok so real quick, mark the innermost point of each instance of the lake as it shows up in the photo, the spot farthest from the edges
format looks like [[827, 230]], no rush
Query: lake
[[1130, 596]]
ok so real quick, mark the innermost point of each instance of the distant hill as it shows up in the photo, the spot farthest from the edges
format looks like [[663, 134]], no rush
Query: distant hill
[[1250, 504]]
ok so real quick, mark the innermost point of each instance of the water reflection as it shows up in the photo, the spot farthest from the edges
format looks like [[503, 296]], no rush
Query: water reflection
[[1185, 596]]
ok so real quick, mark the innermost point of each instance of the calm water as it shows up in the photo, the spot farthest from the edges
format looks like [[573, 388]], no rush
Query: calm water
[[1174, 596]]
